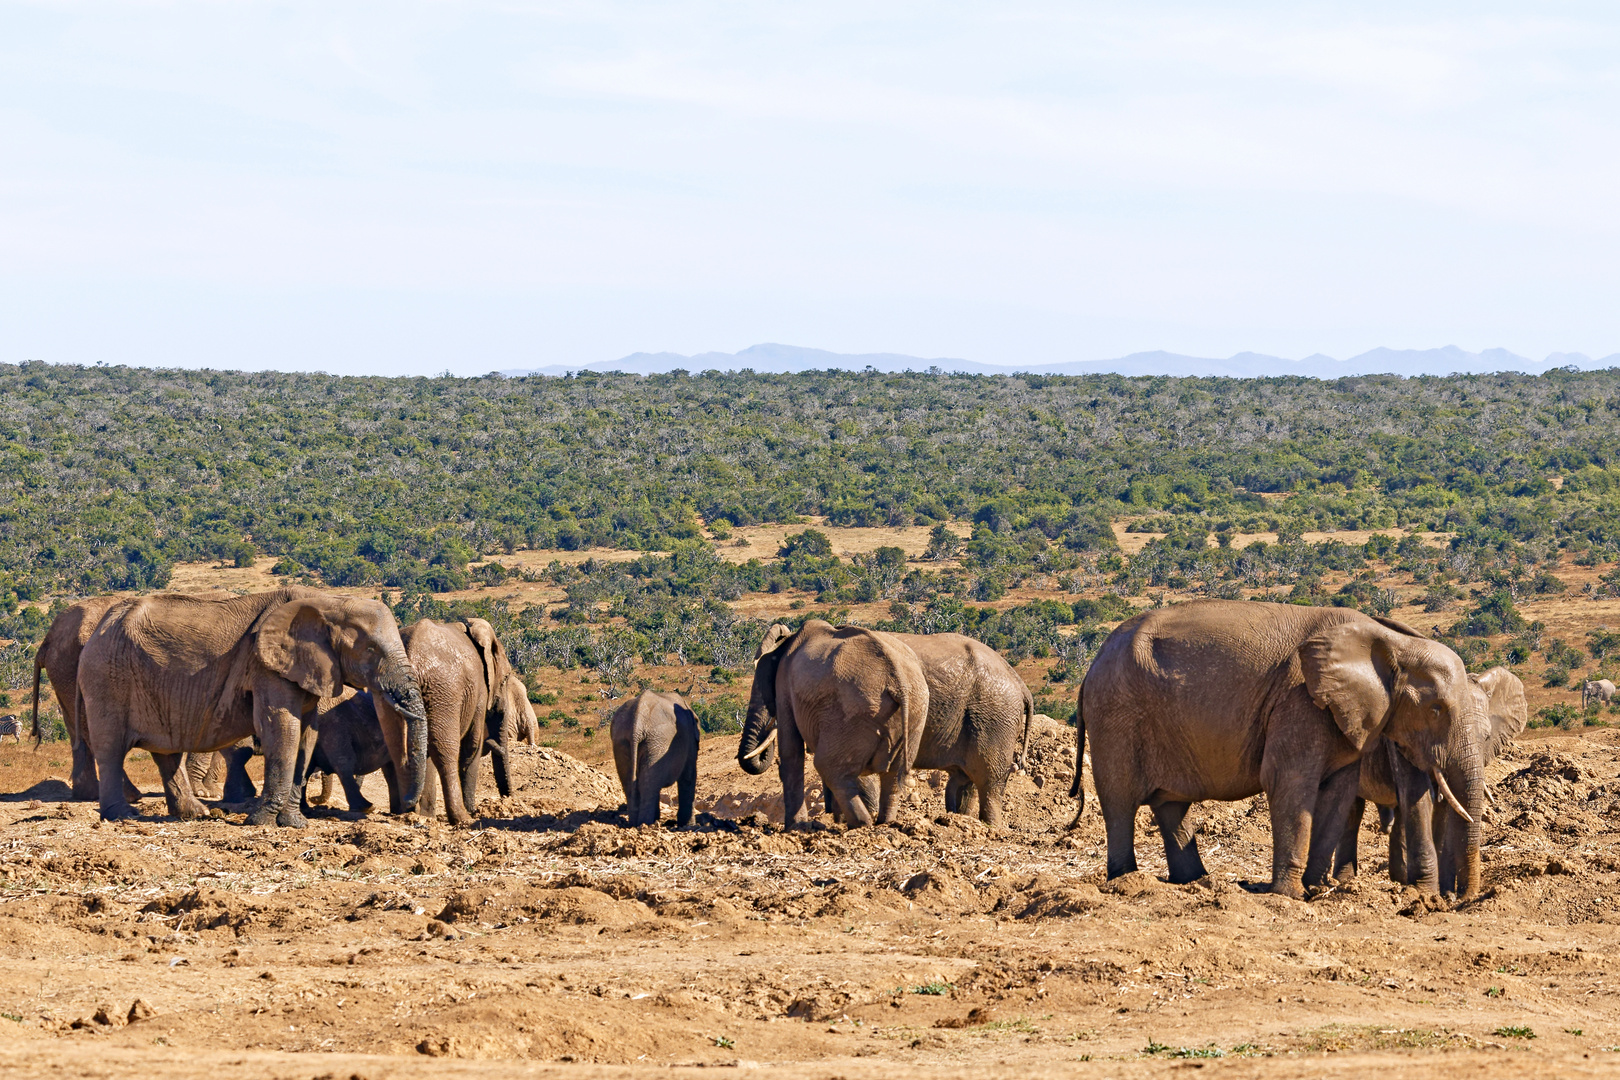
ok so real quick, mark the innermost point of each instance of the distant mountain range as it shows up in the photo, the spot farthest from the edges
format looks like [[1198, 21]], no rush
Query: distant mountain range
[[1245, 365]]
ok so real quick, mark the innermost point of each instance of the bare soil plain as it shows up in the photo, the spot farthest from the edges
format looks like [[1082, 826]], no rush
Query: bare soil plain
[[550, 940]]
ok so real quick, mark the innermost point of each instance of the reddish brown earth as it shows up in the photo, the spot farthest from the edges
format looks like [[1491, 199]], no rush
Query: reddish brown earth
[[550, 940]]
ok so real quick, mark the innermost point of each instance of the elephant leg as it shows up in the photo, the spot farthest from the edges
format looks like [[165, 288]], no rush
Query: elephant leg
[[1292, 799], [396, 793], [871, 792], [351, 793], [238, 784], [956, 782], [790, 767], [110, 766], [86, 785], [1119, 822], [472, 747], [1332, 807], [325, 796], [1397, 849], [848, 790], [686, 791], [1346, 857], [280, 732], [428, 805], [446, 755], [1415, 821], [177, 786], [1180, 845], [992, 794], [503, 776]]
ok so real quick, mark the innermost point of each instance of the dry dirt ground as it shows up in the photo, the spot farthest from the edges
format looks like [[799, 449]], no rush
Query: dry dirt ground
[[550, 940]]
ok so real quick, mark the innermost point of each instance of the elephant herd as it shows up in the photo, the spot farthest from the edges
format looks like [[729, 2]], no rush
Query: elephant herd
[[1320, 709], [317, 681]]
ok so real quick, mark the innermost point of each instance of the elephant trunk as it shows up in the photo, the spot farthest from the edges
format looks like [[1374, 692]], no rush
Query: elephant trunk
[[396, 681], [758, 747], [1470, 873]]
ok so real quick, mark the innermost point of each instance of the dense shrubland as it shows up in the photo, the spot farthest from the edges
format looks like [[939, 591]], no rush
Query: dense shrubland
[[111, 475]]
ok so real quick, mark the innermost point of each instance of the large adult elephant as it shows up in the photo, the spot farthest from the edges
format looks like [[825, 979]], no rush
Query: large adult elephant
[[179, 674], [856, 699], [1428, 841], [1599, 690], [471, 694], [1221, 699], [979, 718]]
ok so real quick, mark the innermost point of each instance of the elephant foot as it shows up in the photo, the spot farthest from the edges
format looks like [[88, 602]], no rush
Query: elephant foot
[[190, 809], [1294, 890], [118, 812], [364, 806], [263, 815], [292, 818]]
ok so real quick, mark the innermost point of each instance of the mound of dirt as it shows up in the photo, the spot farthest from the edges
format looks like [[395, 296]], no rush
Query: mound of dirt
[[555, 782], [569, 903]]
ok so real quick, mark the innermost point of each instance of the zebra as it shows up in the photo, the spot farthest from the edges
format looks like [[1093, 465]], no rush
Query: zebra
[[10, 725]]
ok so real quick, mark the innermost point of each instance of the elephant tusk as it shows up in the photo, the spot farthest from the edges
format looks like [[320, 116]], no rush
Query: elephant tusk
[[764, 744], [1445, 793]]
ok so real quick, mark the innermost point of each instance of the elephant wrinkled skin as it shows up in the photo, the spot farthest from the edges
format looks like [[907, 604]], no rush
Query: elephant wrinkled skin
[[855, 699], [175, 674], [1221, 699], [655, 745], [475, 702]]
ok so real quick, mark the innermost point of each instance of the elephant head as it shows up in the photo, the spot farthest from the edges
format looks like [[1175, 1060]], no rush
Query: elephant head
[[1382, 678], [1505, 714], [323, 643], [510, 717], [757, 748]]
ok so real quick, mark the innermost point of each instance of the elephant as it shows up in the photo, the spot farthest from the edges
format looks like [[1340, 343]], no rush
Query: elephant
[[655, 744], [856, 699], [470, 690], [979, 718], [173, 674], [1601, 690], [58, 657], [1224, 699], [350, 745], [1421, 822]]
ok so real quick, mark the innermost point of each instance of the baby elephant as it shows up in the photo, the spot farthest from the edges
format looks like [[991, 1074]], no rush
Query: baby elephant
[[350, 746], [655, 744]]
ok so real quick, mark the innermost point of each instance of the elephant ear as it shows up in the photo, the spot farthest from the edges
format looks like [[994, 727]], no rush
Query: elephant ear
[[489, 649], [1399, 627], [684, 716], [1508, 708], [295, 641], [774, 637], [1349, 672]]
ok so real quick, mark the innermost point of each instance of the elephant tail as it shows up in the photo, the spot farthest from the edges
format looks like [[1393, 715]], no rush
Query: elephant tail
[[1077, 790], [1021, 761], [39, 662]]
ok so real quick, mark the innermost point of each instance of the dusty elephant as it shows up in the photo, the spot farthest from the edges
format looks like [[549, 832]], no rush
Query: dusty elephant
[[58, 657], [1220, 699], [1428, 841], [979, 718], [856, 699], [349, 745], [655, 745], [1599, 690], [470, 691], [175, 674]]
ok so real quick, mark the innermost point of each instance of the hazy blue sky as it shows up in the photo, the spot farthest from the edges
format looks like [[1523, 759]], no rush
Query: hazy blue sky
[[403, 188]]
